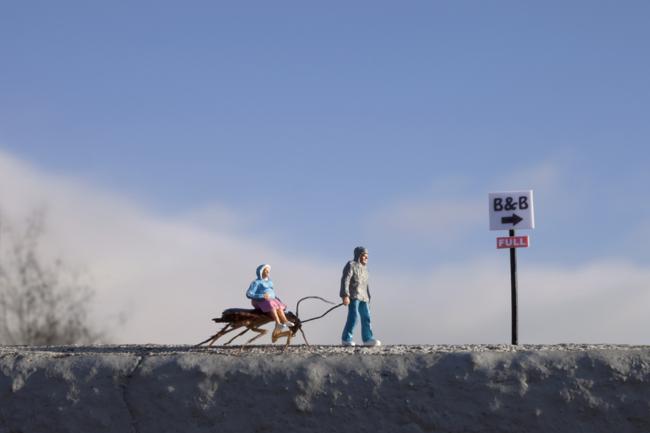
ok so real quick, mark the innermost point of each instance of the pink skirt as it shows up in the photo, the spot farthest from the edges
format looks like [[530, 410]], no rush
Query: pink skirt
[[268, 305]]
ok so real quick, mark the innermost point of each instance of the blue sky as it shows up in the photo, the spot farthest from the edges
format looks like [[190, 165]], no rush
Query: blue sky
[[313, 127]]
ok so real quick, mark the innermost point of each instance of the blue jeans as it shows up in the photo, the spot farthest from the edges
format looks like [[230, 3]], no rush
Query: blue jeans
[[357, 308]]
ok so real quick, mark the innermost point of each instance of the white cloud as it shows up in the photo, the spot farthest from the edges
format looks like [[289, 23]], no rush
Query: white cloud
[[218, 217], [444, 220], [469, 302], [545, 176], [172, 275], [452, 209], [169, 276]]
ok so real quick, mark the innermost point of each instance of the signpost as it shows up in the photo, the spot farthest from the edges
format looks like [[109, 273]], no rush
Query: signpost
[[510, 210]]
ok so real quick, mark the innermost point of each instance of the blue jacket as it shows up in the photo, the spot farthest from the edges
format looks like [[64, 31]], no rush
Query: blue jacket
[[259, 287]]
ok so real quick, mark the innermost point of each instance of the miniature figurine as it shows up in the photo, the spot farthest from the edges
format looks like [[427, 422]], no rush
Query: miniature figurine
[[355, 293], [263, 298]]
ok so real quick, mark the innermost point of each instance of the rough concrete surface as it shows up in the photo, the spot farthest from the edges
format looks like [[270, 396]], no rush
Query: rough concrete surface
[[473, 388]]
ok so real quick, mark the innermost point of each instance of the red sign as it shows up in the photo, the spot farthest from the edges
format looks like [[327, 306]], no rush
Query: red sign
[[513, 242]]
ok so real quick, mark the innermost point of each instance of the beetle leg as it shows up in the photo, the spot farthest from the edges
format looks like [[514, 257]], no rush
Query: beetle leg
[[304, 337], [214, 338], [223, 332], [258, 330], [288, 340], [277, 335], [241, 333]]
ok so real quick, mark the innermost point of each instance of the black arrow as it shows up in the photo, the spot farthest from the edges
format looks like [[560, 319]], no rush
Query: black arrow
[[514, 219]]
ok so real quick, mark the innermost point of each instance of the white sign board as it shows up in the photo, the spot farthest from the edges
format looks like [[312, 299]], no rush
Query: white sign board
[[511, 210]]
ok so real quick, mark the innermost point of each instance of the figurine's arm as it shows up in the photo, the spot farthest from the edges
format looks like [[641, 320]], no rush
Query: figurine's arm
[[252, 292], [345, 283]]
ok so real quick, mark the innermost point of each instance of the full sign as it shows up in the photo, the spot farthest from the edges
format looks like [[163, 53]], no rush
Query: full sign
[[511, 210], [513, 242]]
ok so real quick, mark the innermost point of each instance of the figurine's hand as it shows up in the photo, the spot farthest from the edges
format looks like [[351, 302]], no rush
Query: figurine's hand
[[267, 296], [346, 300]]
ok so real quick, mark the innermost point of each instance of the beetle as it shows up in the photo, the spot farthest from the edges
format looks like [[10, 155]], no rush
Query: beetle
[[253, 320]]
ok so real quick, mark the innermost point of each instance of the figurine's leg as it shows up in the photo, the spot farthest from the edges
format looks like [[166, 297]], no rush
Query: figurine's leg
[[366, 326], [274, 314], [351, 322], [281, 315]]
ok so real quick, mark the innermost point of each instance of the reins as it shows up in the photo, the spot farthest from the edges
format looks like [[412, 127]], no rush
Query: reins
[[319, 298], [322, 315]]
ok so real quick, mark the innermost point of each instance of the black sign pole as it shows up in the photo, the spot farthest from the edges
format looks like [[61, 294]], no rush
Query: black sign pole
[[513, 285]]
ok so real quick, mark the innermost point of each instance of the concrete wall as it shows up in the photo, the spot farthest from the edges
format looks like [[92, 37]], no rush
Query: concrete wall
[[263, 389]]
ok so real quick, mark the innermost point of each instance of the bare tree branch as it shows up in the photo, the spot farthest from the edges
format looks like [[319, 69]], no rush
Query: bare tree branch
[[41, 303]]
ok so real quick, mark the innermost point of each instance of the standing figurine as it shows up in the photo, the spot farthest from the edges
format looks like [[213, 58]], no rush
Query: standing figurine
[[355, 293], [263, 298]]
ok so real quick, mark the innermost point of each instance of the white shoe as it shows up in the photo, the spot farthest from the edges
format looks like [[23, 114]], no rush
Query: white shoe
[[348, 343], [280, 330], [372, 342]]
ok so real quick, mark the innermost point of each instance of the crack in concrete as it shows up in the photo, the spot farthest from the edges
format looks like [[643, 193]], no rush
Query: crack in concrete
[[4, 425], [124, 386]]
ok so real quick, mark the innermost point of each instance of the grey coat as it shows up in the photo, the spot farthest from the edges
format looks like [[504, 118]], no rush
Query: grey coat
[[354, 281]]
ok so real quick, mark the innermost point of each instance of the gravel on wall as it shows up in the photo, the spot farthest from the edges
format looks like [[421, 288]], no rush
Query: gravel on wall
[[468, 388]]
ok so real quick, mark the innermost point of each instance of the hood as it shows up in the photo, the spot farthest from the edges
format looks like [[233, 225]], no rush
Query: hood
[[358, 251], [259, 269]]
